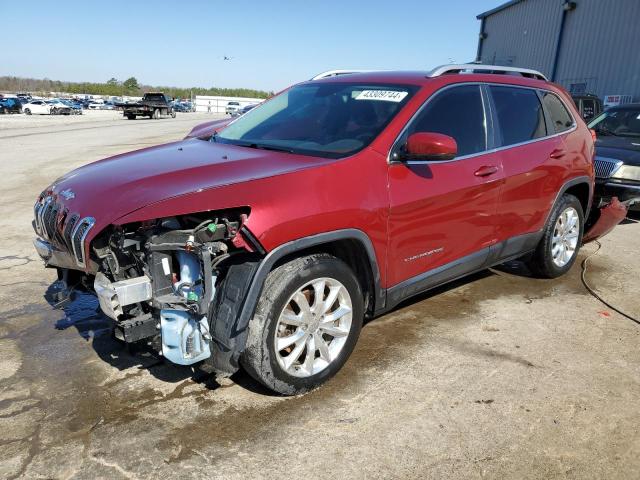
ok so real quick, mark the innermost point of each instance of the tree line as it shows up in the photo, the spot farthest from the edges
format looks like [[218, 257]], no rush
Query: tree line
[[114, 87]]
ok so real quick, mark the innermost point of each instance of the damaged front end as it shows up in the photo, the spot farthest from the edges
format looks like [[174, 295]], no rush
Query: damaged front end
[[158, 280]]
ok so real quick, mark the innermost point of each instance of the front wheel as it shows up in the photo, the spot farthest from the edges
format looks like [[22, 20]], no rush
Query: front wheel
[[562, 236], [306, 324], [27, 111]]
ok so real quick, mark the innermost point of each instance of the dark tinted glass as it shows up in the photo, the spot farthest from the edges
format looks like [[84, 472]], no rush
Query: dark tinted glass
[[456, 112], [560, 118], [319, 118], [520, 115]]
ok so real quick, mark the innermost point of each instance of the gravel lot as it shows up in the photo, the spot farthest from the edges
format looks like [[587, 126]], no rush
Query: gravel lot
[[498, 376]]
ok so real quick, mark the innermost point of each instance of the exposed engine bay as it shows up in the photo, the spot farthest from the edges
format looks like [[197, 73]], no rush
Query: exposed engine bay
[[157, 280]]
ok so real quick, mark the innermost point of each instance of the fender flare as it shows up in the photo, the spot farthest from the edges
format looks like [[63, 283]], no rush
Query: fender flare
[[566, 186], [226, 359], [277, 253]]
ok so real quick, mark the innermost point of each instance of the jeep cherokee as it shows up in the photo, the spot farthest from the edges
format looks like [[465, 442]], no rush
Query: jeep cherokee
[[265, 242]]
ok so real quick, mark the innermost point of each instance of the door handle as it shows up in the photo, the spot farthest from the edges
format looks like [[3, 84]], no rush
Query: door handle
[[557, 153], [485, 171]]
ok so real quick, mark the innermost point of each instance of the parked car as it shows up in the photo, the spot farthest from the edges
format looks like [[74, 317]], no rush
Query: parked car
[[182, 106], [38, 107], [108, 105], [76, 108], [245, 109], [617, 162], [589, 105], [95, 105], [58, 107], [10, 105], [265, 242], [232, 108]]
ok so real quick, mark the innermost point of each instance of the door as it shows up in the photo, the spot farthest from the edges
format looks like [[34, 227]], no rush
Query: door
[[444, 211], [534, 157], [38, 107]]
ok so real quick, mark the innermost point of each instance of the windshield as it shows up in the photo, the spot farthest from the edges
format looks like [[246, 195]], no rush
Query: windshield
[[619, 123], [323, 119]]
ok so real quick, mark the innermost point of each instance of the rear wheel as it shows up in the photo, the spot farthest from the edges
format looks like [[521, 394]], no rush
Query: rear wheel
[[27, 111], [561, 240], [306, 324], [156, 114], [131, 117]]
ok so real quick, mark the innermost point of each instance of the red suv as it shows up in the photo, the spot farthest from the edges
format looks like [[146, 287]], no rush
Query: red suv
[[265, 242]]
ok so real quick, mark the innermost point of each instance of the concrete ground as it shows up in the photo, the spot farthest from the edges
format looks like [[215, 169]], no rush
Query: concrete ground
[[498, 376]]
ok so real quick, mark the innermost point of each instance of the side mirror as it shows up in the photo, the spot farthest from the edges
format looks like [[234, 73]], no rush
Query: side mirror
[[429, 146]]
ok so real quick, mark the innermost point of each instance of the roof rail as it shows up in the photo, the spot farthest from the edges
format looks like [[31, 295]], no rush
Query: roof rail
[[335, 73], [478, 68]]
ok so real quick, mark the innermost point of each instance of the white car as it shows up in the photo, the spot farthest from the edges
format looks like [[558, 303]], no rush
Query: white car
[[96, 104], [38, 107]]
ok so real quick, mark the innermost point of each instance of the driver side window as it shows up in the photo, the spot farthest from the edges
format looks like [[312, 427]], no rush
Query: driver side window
[[457, 112]]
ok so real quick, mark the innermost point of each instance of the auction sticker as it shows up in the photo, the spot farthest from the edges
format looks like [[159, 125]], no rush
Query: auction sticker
[[382, 95]]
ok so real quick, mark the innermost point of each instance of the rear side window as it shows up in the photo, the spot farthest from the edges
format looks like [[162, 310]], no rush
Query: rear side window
[[520, 114], [457, 112], [560, 118]]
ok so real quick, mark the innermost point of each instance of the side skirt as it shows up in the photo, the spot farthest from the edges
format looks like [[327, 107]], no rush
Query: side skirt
[[509, 249]]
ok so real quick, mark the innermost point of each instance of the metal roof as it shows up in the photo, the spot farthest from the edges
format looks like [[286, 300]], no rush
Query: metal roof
[[497, 9]]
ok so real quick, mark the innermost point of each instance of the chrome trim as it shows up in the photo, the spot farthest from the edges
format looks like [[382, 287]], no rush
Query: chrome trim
[[43, 248], [478, 68], [626, 186], [616, 164], [493, 150], [40, 219], [36, 212], [90, 221]]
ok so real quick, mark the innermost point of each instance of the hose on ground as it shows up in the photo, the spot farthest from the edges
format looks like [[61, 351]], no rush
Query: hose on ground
[[592, 291]]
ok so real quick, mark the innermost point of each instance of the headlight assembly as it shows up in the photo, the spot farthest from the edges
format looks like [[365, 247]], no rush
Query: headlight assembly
[[627, 172]]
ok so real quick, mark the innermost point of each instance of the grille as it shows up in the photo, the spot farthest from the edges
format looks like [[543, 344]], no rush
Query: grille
[[68, 230], [53, 222], [77, 239], [605, 166]]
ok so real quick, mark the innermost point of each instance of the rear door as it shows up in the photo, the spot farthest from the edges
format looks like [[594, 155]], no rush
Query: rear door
[[444, 211], [534, 156]]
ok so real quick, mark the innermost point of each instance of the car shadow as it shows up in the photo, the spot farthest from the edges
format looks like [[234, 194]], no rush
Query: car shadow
[[82, 312]]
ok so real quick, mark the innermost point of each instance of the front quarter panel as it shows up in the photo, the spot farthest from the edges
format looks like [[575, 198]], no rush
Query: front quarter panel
[[343, 194]]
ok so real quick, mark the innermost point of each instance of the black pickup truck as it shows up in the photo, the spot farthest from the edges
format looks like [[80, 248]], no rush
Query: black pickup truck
[[152, 105]]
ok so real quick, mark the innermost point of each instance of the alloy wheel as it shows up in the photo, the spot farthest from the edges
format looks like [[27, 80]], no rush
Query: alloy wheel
[[565, 237], [313, 327]]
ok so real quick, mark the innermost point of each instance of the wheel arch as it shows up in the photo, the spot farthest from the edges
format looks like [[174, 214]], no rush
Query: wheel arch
[[580, 187], [350, 245]]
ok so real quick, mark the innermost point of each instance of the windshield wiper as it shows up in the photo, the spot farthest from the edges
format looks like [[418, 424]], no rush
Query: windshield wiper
[[274, 148]]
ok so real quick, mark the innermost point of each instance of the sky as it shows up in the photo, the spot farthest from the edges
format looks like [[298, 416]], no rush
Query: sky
[[272, 44]]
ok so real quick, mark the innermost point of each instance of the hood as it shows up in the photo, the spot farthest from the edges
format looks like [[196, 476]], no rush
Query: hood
[[111, 188], [619, 148]]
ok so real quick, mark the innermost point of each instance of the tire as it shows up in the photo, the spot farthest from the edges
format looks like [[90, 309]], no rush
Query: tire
[[27, 111], [288, 287], [558, 249], [156, 114], [131, 117], [173, 114], [53, 111]]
